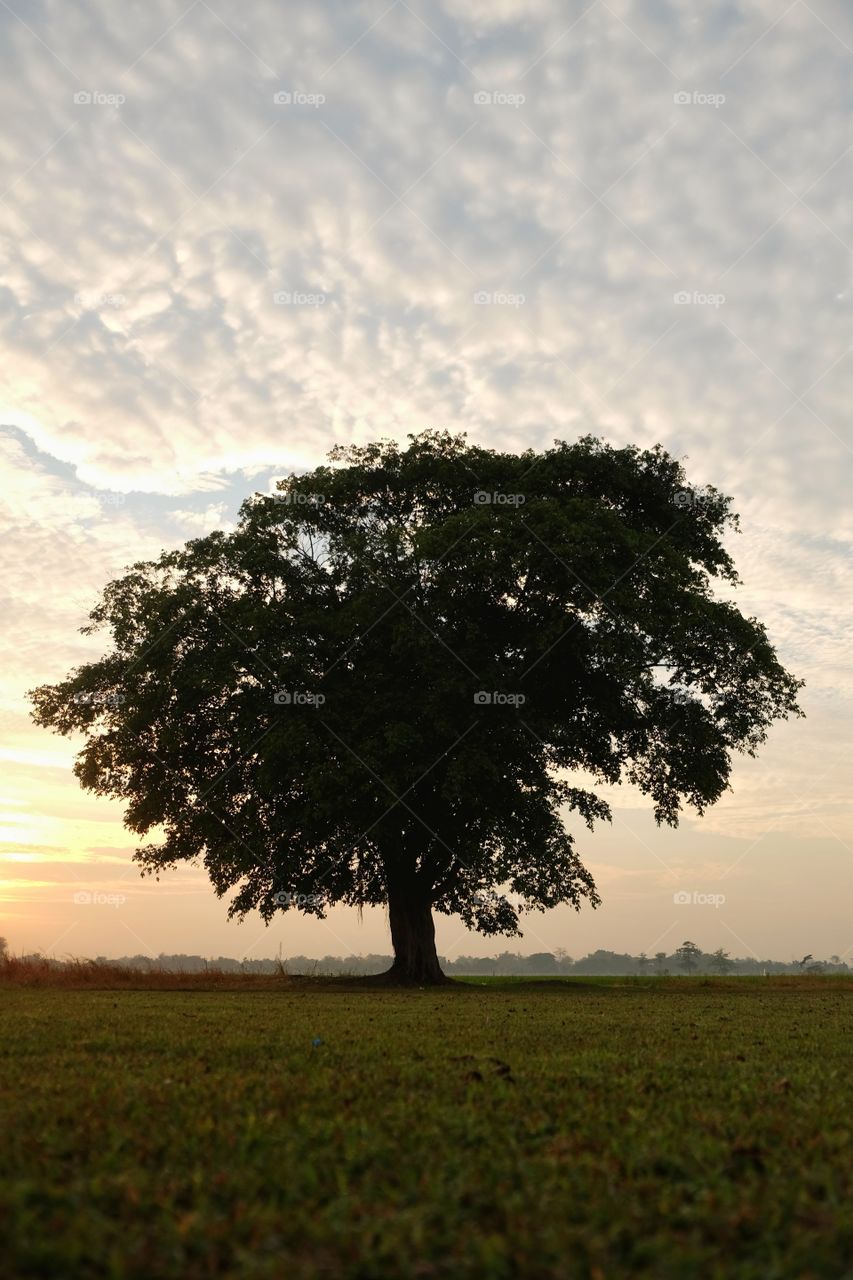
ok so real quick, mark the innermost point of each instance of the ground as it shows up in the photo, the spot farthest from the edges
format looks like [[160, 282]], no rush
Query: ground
[[676, 1129]]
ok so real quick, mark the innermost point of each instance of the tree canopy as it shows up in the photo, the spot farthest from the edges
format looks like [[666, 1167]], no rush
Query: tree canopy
[[396, 676]]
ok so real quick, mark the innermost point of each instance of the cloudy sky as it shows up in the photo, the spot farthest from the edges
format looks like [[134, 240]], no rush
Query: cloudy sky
[[237, 234]]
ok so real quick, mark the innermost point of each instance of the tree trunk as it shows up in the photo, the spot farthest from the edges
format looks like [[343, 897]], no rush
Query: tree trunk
[[413, 936]]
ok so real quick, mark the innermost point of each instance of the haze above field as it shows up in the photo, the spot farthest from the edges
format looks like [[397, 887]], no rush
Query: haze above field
[[663, 228]]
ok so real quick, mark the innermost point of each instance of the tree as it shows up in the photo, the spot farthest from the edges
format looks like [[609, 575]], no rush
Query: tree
[[689, 956], [376, 689], [660, 963], [720, 961], [642, 963], [605, 962]]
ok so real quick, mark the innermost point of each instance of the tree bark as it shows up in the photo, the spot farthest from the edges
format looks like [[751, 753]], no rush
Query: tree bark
[[413, 936]]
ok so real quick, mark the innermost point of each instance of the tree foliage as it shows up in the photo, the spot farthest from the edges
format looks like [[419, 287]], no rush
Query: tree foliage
[[397, 675], [689, 956]]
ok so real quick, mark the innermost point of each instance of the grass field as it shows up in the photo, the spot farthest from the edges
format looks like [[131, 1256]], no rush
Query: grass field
[[689, 1128]]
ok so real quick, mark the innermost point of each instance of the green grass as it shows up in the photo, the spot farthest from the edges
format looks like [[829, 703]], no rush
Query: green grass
[[682, 1128]]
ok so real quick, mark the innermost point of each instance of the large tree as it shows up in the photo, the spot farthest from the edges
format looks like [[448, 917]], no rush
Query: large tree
[[391, 682]]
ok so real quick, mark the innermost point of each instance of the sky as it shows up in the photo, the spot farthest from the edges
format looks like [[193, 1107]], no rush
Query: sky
[[235, 235]]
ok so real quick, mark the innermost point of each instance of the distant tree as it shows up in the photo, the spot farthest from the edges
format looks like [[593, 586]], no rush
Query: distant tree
[[542, 962], [660, 963], [689, 955], [642, 962], [3, 948], [605, 962], [510, 962], [376, 688], [721, 962], [802, 963], [472, 964]]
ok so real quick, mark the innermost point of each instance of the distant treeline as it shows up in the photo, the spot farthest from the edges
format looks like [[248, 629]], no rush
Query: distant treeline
[[688, 958]]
